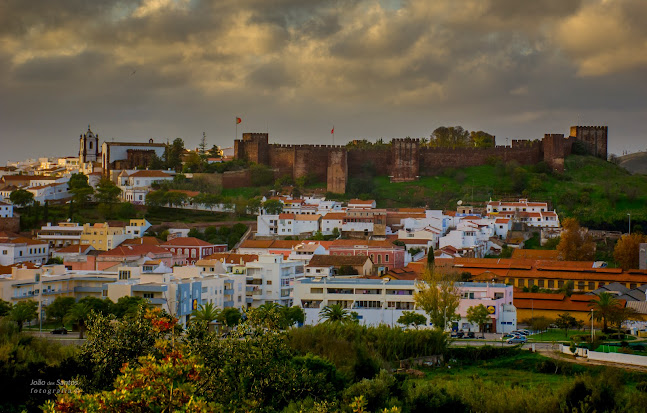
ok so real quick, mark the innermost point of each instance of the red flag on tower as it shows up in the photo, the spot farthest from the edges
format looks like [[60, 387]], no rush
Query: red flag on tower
[[238, 120], [332, 132]]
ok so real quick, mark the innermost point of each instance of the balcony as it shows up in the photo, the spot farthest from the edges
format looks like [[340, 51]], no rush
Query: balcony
[[149, 288], [249, 300], [157, 301], [96, 289], [229, 291], [228, 304]]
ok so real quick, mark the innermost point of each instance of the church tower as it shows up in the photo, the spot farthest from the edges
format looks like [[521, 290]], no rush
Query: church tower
[[89, 147]]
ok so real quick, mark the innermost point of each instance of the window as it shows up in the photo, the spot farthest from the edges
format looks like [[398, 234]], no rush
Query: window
[[540, 283], [386, 258], [148, 295], [591, 285], [560, 283], [551, 284]]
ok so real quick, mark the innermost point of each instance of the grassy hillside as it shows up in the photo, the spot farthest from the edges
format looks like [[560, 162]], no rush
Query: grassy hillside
[[598, 193], [636, 163]]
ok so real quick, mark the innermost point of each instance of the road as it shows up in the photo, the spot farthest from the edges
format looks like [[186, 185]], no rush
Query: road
[[480, 342]]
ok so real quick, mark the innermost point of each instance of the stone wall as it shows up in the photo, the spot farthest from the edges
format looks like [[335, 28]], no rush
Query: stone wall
[[404, 159], [594, 139], [337, 173], [236, 179], [10, 224]]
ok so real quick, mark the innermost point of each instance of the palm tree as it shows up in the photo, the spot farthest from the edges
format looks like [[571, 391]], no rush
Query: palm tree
[[334, 313], [78, 314], [603, 307], [206, 312], [23, 311]]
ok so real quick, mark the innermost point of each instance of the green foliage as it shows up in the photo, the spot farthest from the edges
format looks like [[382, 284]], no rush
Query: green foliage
[[230, 316], [273, 206], [565, 321], [59, 308], [23, 311], [358, 351], [5, 308], [261, 175], [25, 359], [478, 315], [80, 189], [21, 198], [411, 318]]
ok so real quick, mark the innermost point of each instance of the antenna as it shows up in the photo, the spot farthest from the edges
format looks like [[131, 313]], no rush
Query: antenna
[[460, 202]]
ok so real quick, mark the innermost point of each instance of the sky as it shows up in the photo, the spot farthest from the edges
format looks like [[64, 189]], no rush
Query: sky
[[164, 69]]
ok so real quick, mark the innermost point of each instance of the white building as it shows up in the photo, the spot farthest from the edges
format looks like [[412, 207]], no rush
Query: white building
[[332, 220], [61, 235], [382, 301], [271, 279], [20, 249], [6, 210], [533, 214], [181, 291], [135, 185]]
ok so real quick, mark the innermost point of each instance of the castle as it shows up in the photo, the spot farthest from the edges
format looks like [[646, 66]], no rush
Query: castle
[[406, 160]]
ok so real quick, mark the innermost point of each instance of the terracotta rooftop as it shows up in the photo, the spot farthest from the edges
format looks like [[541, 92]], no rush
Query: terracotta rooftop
[[230, 258], [134, 250], [337, 260], [190, 194], [335, 215], [534, 254], [150, 174], [143, 240], [350, 243], [187, 242]]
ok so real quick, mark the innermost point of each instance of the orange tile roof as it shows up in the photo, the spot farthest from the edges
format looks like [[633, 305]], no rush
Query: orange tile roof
[[28, 241], [534, 254], [231, 258], [345, 243], [286, 216], [151, 174], [134, 250], [73, 249], [143, 240], [307, 217], [335, 215], [187, 242], [256, 243], [361, 202]]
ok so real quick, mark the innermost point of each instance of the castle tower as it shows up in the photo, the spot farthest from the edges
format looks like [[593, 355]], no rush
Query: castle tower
[[88, 147], [406, 165], [554, 151], [594, 139]]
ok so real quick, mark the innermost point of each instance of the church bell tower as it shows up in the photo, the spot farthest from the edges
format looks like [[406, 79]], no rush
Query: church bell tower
[[89, 147]]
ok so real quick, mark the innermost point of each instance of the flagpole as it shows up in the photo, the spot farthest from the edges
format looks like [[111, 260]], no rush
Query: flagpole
[[236, 122]]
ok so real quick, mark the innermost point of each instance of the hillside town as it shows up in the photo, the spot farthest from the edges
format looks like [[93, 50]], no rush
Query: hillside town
[[307, 250]]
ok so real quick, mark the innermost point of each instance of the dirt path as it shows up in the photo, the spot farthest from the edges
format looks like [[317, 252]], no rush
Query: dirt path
[[555, 354]]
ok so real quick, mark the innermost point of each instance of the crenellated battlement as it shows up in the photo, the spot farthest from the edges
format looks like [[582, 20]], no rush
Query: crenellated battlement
[[405, 159]]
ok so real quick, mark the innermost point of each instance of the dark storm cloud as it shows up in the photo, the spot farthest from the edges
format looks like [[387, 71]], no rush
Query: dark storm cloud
[[161, 67]]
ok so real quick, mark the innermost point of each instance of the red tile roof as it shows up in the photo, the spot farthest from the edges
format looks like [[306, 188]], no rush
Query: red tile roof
[[187, 242], [150, 174], [134, 250], [230, 258]]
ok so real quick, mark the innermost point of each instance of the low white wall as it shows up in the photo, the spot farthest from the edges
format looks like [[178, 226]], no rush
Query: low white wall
[[619, 358]]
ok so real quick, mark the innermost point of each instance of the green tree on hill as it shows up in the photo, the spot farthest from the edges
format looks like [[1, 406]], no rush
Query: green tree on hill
[[565, 321], [21, 198], [478, 315]]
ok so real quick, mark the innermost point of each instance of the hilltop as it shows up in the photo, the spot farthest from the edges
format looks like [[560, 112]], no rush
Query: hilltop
[[636, 163], [598, 193]]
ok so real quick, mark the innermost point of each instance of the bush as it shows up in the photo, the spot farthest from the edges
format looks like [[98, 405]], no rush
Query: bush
[[429, 398], [482, 352], [642, 386]]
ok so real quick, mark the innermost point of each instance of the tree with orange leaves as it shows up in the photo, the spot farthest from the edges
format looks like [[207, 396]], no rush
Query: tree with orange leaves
[[626, 252], [575, 244]]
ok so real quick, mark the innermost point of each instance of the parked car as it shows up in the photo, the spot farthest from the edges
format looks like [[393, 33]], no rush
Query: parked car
[[505, 337], [517, 339], [471, 335], [521, 332], [61, 330], [457, 334]]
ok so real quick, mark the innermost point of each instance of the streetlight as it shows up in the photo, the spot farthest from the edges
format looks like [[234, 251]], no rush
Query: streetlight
[[591, 328], [629, 214]]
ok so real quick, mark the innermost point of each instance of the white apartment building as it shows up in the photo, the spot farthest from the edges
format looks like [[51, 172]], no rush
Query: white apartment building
[[20, 249], [62, 235], [288, 224], [136, 184], [533, 214], [271, 279], [181, 291], [48, 282], [332, 220], [382, 301], [6, 210]]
